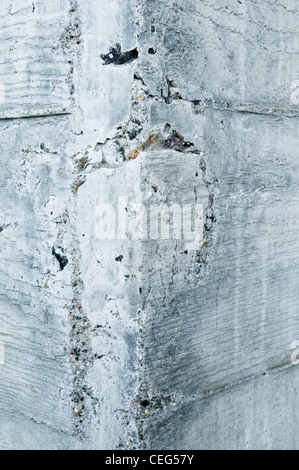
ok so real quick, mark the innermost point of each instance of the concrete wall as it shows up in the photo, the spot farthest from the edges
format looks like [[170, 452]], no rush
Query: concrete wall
[[136, 343]]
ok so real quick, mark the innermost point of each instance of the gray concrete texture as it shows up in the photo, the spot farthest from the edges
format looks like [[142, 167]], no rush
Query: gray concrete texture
[[142, 343]]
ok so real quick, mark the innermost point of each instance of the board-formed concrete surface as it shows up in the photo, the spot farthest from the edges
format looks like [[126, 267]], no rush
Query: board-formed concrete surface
[[111, 111]]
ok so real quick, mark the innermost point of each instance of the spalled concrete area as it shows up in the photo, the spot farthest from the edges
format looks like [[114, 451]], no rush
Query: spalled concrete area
[[138, 343]]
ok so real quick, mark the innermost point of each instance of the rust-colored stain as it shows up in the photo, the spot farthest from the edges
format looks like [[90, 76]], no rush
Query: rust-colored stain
[[77, 185], [133, 154], [154, 139], [205, 245], [81, 164]]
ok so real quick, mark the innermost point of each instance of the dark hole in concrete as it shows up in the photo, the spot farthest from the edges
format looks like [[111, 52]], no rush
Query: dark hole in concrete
[[117, 57], [175, 141], [62, 260], [145, 403]]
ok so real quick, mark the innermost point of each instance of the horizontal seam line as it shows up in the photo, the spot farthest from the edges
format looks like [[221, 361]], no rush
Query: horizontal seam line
[[34, 116]]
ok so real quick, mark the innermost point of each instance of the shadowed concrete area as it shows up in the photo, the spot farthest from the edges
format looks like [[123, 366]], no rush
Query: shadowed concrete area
[[112, 112]]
